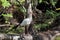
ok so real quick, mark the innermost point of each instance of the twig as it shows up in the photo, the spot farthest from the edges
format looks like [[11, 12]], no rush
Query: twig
[[3, 25]]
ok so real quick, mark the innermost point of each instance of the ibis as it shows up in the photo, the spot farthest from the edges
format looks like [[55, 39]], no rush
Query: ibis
[[27, 21]]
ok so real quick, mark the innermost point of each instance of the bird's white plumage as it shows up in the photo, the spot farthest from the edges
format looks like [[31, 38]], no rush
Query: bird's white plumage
[[26, 21]]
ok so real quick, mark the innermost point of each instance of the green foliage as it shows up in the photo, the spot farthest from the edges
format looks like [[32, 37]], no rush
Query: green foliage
[[5, 3], [21, 1], [53, 2], [37, 26], [20, 29], [15, 2], [22, 9], [18, 2], [13, 31], [51, 13], [52, 16], [7, 17]]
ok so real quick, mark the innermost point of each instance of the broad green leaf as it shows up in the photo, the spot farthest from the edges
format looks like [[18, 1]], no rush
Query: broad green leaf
[[7, 15], [5, 3]]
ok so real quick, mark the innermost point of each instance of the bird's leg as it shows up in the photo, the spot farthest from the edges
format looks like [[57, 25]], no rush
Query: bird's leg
[[26, 29]]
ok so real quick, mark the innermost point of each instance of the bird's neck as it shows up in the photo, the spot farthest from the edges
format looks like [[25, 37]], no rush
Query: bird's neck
[[29, 11], [30, 16]]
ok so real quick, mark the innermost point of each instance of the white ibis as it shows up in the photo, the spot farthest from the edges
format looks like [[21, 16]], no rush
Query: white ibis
[[26, 22]]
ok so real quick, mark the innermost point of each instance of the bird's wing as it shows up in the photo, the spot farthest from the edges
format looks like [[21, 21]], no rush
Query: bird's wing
[[24, 22]]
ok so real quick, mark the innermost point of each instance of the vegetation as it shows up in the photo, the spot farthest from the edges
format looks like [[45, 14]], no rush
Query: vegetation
[[14, 12]]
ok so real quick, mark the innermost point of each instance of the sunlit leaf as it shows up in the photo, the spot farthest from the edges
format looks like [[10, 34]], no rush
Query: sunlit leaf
[[57, 8], [5, 3], [7, 15]]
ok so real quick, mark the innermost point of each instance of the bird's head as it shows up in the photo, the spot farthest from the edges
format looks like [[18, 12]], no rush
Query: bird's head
[[30, 9]]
